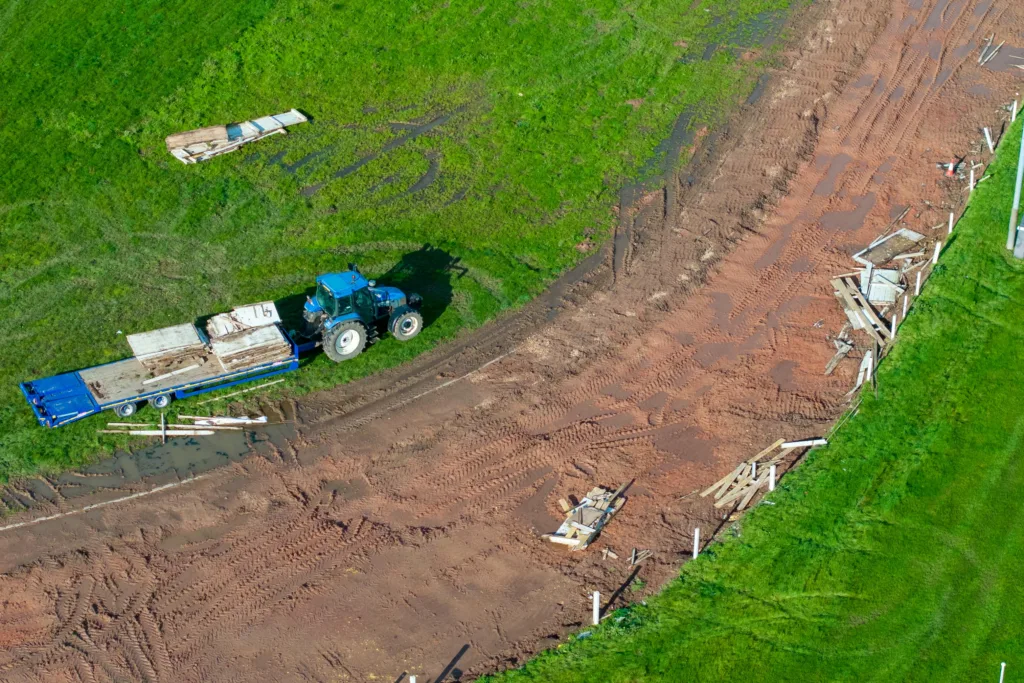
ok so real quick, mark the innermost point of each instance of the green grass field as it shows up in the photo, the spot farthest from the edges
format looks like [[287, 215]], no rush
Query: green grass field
[[894, 553], [532, 135]]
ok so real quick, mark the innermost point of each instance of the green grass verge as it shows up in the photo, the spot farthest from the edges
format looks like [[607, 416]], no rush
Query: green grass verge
[[102, 231], [892, 554]]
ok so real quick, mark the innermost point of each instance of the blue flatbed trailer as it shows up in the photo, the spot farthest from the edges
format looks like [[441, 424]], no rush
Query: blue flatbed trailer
[[72, 396]]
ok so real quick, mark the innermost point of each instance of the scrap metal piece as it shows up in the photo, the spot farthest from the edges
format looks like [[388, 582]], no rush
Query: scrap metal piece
[[885, 249]]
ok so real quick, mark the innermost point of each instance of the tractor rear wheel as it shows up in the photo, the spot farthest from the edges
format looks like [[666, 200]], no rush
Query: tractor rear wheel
[[405, 323], [345, 341]]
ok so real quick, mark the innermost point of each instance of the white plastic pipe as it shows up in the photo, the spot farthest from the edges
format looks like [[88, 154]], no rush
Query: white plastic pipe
[[1011, 236], [1002, 671], [597, 608], [892, 332], [988, 139], [950, 223], [807, 442], [1013, 112], [696, 542], [938, 248], [906, 302], [412, 679], [771, 478], [972, 181], [917, 287], [753, 470]]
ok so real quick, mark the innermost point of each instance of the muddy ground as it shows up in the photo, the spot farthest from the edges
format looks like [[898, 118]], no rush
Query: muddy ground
[[392, 526]]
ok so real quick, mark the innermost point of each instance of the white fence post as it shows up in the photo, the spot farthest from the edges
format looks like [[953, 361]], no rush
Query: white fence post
[[597, 608], [771, 478]]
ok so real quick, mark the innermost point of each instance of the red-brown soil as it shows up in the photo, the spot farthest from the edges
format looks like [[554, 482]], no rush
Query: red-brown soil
[[398, 521]]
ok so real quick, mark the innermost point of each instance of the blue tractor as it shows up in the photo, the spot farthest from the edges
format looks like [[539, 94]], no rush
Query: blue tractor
[[348, 310]]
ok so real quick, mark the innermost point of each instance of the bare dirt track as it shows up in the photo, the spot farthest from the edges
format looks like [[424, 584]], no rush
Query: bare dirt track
[[393, 528]]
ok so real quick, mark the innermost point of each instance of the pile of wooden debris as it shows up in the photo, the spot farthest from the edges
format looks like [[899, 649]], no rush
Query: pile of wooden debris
[[876, 297], [584, 522], [750, 476]]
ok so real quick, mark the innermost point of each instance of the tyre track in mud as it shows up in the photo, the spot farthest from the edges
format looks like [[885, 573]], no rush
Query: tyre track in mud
[[391, 529]]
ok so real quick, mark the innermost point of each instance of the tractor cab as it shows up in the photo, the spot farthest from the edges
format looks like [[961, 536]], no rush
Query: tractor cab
[[347, 308]]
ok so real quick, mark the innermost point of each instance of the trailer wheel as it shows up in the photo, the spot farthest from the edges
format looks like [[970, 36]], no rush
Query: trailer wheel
[[126, 409], [405, 323], [345, 341], [160, 402]]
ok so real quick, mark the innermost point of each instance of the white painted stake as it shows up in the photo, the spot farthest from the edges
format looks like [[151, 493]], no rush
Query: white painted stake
[[972, 181], [906, 303], [917, 287], [771, 478], [892, 332], [597, 608], [412, 679], [696, 542], [938, 248], [1013, 113], [950, 223], [988, 139], [805, 443], [1002, 667], [753, 470]]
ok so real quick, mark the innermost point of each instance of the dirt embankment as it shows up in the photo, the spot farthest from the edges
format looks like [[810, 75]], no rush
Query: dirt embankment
[[394, 529]]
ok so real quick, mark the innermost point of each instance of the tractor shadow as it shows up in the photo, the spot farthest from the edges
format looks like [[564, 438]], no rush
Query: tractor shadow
[[428, 271]]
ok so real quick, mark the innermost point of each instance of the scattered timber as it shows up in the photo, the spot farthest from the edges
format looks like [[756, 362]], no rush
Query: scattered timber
[[741, 485], [583, 523]]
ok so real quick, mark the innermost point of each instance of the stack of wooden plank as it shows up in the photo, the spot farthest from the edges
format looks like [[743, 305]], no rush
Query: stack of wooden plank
[[743, 483], [584, 522], [250, 347]]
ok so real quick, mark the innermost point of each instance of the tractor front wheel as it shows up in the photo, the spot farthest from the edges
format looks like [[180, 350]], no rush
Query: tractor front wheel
[[345, 341], [405, 323]]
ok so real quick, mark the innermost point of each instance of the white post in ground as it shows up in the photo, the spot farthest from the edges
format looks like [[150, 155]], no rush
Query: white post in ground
[[1002, 671], [753, 470], [917, 287], [892, 332], [597, 608], [771, 478], [950, 223], [696, 542], [1011, 236], [988, 139], [412, 679], [906, 302], [972, 179], [938, 248], [1013, 112]]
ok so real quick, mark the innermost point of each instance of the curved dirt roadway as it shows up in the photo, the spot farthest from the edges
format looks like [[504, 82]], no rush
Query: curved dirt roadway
[[396, 527]]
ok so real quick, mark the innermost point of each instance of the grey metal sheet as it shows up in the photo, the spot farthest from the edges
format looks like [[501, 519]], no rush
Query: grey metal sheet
[[167, 341]]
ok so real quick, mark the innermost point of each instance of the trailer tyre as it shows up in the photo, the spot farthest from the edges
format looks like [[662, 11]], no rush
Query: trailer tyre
[[126, 409], [405, 323], [160, 402], [345, 341]]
